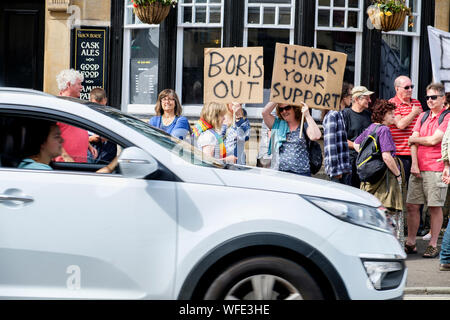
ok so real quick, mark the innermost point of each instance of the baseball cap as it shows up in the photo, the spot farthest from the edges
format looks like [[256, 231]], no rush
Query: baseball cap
[[360, 91]]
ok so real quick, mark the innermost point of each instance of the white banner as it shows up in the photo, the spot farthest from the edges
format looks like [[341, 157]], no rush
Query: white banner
[[440, 55]]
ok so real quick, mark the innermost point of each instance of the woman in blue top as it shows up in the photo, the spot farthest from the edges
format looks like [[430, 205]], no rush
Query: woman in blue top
[[168, 115], [42, 143], [290, 152]]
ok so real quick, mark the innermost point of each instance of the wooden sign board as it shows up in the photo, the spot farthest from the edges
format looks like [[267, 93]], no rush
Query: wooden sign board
[[90, 52], [234, 75], [304, 74]]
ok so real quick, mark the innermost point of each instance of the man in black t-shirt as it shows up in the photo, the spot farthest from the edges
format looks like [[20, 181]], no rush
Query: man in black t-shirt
[[357, 119]]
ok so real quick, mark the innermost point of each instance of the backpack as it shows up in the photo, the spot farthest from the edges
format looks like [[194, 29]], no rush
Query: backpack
[[315, 154], [440, 120], [370, 166]]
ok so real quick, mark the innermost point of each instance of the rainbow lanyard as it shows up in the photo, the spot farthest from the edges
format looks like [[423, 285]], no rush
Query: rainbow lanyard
[[203, 126]]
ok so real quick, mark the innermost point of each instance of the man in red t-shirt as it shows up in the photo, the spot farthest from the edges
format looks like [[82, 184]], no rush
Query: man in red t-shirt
[[407, 111], [425, 183], [76, 140]]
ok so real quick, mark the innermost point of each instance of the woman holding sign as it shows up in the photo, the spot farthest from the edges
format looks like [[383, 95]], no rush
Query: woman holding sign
[[288, 144], [168, 115]]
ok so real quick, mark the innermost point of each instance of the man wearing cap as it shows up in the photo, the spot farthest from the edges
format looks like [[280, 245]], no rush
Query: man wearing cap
[[357, 119]]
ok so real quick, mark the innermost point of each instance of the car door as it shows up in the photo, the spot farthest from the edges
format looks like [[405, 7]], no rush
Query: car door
[[85, 235]]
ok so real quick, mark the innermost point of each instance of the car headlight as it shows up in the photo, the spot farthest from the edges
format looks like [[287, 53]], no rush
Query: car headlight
[[362, 215]]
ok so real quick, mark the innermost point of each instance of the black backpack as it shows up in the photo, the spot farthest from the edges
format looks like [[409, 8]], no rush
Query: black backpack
[[369, 162], [315, 154]]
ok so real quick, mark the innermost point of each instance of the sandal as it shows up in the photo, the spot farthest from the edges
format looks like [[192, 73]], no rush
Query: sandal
[[431, 252], [410, 248]]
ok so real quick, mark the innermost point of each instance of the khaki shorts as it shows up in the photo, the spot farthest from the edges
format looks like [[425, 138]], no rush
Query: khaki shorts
[[429, 189]]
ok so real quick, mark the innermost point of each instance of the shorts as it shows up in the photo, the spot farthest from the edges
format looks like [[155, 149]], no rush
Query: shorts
[[429, 189]]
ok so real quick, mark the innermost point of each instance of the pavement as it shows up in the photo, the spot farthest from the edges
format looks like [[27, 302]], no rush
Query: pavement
[[425, 281]]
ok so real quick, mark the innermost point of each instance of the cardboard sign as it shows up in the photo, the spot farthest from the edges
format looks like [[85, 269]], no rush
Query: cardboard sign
[[234, 75], [303, 74]]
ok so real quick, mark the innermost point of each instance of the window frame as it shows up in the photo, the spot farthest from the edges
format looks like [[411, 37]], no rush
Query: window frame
[[126, 106], [192, 110]]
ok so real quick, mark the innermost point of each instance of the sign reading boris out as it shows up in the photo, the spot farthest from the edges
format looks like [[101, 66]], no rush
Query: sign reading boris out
[[234, 75], [309, 75]]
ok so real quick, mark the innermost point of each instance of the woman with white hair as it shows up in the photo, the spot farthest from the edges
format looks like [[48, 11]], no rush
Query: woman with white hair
[[69, 83]]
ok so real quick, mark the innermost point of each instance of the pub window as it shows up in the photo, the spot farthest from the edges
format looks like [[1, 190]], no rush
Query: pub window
[[338, 27], [400, 53], [200, 25], [266, 23], [140, 63]]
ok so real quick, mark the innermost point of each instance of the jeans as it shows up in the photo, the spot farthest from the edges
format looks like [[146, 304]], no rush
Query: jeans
[[445, 246]]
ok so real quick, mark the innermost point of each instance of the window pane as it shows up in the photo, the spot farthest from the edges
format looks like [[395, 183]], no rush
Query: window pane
[[195, 41], [187, 1], [324, 3], [269, 16], [395, 61], [187, 14], [352, 19], [144, 66], [285, 16], [339, 19], [214, 14], [353, 3], [342, 42], [200, 14], [267, 38], [339, 3], [200, 1], [324, 18], [253, 15], [214, 1], [269, 1]]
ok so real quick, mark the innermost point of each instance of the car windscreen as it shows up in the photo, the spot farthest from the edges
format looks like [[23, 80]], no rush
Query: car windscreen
[[181, 148]]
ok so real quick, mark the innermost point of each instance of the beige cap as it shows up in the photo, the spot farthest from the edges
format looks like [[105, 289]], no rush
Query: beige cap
[[360, 91]]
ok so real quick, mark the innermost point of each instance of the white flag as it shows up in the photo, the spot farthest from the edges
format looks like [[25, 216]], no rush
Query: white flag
[[440, 55]]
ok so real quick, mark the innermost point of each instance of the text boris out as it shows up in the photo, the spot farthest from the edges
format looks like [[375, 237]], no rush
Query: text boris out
[[309, 75], [234, 74]]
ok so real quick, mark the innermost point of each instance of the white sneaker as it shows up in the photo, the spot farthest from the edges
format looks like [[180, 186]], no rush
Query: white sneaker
[[427, 236]]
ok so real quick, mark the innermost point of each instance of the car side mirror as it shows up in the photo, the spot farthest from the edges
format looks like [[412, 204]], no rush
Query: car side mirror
[[136, 163]]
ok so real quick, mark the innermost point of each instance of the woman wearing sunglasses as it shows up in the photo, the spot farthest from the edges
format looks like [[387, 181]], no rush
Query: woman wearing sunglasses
[[289, 151]]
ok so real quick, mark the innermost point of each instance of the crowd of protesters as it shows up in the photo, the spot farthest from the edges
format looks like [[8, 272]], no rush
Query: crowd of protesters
[[414, 144]]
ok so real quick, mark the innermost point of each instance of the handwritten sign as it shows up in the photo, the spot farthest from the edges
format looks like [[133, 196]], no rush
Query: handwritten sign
[[234, 75], [303, 74], [89, 56]]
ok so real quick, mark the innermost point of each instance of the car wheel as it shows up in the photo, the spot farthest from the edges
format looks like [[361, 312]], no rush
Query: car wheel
[[264, 278]]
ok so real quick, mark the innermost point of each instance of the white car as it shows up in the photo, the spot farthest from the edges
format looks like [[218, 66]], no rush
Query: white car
[[168, 224]]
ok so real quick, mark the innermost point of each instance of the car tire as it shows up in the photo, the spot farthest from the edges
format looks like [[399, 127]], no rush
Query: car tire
[[264, 278]]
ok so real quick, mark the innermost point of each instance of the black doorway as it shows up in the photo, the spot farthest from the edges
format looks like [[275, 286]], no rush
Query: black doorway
[[22, 43]]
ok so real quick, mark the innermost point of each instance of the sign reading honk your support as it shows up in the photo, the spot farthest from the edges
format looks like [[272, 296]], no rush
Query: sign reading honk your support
[[309, 75]]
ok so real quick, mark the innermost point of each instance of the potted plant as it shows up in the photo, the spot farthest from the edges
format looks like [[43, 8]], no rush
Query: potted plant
[[388, 15], [152, 11]]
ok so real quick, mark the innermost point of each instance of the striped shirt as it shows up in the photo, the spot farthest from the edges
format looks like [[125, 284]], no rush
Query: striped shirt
[[401, 135]]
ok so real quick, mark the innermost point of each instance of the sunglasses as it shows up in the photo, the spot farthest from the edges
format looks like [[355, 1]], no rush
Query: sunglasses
[[408, 87], [433, 97], [287, 108]]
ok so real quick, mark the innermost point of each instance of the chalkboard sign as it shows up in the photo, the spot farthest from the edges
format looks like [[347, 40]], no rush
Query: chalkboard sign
[[143, 80], [90, 56]]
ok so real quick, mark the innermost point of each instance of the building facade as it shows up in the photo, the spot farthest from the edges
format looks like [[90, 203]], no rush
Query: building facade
[[143, 59]]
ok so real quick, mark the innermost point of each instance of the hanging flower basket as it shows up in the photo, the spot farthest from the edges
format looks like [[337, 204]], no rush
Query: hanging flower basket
[[389, 15], [152, 12]]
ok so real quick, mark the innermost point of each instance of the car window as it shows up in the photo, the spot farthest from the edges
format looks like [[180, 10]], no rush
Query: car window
[[181, 148], [31, 143]]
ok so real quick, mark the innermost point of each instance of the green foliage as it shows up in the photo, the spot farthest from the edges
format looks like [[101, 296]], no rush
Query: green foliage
[[137, 3], [392, 6]]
